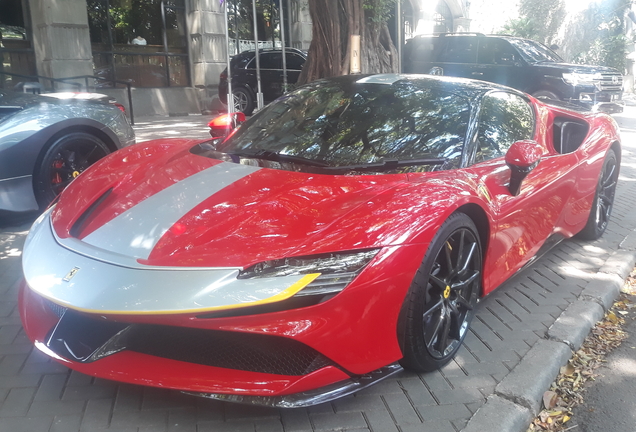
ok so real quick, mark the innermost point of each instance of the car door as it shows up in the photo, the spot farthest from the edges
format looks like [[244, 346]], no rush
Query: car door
[[499, 62], [523, 222], [456, 57], [271, 74], [294, 63]]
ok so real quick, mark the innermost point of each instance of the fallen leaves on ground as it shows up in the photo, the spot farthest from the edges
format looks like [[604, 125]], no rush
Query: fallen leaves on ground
[[630, 284], [566, 391]]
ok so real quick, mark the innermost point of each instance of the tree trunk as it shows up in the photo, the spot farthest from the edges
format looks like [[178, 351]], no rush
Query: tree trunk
[[334, 21]]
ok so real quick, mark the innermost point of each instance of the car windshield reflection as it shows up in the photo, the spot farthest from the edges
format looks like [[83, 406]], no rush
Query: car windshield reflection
[[340, 123]]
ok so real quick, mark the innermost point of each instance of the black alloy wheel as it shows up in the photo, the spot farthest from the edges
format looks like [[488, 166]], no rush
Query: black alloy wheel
[[243, 101], [603, 199], [440, 303], [63, 161]]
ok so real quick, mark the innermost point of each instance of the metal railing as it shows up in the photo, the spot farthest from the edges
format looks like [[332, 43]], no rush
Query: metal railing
[[38, 77], [87, 87]]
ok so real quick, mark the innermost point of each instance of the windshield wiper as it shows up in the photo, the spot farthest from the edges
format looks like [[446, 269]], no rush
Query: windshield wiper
[[389, 164], [280, 157]]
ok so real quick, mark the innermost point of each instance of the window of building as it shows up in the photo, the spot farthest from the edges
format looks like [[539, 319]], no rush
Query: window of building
[[142, 42], [17, 57], [443, 18]]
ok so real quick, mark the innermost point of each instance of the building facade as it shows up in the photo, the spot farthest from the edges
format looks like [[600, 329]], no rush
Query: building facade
[[170, 51]]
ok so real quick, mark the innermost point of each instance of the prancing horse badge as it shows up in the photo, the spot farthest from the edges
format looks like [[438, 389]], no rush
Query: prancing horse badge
[[71, 274]]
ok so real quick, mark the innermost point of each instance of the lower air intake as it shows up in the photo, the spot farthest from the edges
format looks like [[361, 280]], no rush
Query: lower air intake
[[232, 350]]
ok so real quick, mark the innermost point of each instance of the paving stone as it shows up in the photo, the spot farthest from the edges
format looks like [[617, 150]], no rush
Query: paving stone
[[150, 418], [89, 392], [459, 395], [79, 379], [358, 403], [234, 426], [11, 364], [17, 402], [182, 419], [444, 412], [473, 381], [296, 420], [128, 398], [25, 424], [97, 413], [66, 423], [379, 420], [270, 425], [338, 421], [401, 409], [417, 392], [53, 408], [51, 388]]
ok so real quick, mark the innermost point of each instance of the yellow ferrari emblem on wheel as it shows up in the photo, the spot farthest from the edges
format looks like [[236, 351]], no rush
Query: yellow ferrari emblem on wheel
[[447, 292]]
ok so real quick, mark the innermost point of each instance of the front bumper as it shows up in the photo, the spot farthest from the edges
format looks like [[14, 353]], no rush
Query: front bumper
[[610, 102], [142, 339]]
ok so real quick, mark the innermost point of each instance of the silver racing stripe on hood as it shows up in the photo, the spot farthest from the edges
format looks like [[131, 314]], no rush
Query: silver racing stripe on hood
[[136, 231], [80, 282]]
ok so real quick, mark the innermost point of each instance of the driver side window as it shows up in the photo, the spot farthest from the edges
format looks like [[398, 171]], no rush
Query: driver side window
[[504, 118]]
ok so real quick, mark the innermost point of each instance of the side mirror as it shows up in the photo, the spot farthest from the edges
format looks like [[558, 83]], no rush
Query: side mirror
[[223, 125], [522, 157]]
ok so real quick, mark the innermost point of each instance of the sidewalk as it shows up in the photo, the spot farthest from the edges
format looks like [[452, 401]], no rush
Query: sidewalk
[[521, 335]]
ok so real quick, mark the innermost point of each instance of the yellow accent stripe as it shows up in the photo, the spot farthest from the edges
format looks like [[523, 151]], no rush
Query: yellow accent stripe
[[283, 295]]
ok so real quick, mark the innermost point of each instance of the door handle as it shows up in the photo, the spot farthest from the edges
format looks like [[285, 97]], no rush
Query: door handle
[[477, 74]]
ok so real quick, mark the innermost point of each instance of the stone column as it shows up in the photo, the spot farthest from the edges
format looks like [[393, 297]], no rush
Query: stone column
[[208, 52], [300, 24], [61, 39]]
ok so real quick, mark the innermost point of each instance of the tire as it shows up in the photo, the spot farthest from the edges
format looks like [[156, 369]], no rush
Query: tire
[[66, 158], [439, 305], [545, 94], [603, 199], [243, 101]]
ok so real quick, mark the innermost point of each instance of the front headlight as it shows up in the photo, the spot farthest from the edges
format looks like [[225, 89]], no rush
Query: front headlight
[[336, 270], [581, 78]]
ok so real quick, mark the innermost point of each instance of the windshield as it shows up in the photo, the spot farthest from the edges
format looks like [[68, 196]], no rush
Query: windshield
[[535, 52], [342, 123]]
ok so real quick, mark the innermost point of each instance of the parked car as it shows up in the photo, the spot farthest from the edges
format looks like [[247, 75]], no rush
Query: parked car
[[47, 140], [244, 82], [343, 232], [524, 64]]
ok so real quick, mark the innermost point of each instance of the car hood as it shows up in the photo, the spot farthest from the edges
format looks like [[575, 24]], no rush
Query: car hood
[[577, 68], [165, 206]]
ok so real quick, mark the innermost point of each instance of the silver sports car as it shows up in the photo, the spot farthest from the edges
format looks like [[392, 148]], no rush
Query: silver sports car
[[47, 140]]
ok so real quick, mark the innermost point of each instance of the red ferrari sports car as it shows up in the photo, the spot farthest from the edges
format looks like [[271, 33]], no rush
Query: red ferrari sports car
[[345, 231]]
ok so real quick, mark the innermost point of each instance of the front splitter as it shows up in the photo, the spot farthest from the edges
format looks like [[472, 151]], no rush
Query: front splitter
[[311, 397]]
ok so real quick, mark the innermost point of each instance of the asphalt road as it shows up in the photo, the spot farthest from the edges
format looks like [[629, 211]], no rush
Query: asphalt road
[[610, 402]]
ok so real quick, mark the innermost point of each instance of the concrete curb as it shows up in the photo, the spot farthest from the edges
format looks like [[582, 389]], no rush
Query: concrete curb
[[499, 414], [517, 397]]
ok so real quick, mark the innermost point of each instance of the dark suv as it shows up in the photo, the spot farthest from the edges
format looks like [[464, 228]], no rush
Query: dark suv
[[244, 86], [520, 63]]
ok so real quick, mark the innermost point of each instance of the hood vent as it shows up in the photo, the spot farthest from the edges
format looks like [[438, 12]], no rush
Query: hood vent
[[77, 227]]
